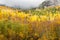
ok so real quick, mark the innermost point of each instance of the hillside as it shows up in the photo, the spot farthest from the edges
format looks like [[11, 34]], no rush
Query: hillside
[[39, 24], [48, 3]]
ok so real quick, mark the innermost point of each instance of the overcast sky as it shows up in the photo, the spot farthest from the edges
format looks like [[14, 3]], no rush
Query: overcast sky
[[22, 3]]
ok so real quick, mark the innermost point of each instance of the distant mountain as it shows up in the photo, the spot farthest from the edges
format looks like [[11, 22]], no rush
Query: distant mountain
[[2, 5], [47, 3], [55, 2]]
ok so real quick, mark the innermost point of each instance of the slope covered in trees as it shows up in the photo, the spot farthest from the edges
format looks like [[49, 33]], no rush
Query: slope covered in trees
[[47, 3], [42, 24]]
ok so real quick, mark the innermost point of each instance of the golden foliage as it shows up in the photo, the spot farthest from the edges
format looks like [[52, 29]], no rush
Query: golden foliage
[[39, 27]]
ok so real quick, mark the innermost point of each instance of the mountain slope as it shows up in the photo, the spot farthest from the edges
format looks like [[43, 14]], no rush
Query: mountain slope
[[47, 3]]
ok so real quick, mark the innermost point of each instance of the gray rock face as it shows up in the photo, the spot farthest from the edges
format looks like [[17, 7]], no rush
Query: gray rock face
[[47, 3], [55, 2]]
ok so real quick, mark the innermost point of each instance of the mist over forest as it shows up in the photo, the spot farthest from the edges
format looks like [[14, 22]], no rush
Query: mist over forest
[[28, 4]]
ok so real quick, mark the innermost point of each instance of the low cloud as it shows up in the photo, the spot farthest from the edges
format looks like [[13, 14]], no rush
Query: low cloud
[[21, 3]]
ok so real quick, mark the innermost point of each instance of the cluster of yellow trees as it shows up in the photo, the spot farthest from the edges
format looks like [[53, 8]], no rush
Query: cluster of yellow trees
[[18, 25]]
